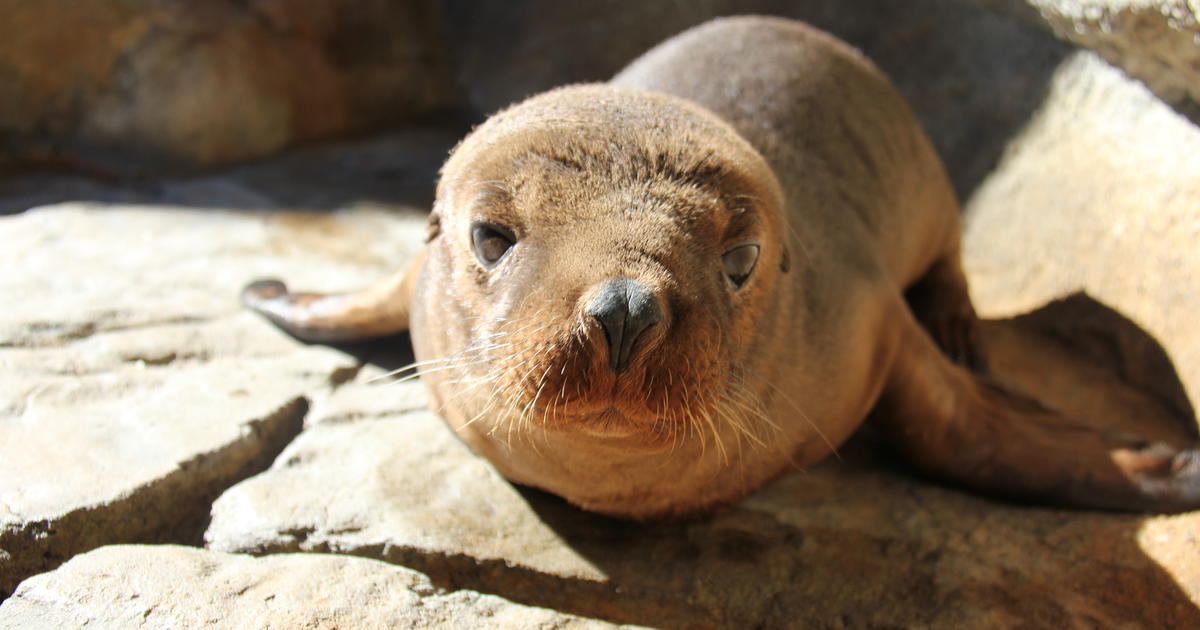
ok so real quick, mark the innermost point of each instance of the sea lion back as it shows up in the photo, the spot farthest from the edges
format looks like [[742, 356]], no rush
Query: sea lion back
[[850, 155]]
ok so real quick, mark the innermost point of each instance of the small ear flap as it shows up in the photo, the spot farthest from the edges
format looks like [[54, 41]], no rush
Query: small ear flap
[[433, 228], [376, 311]]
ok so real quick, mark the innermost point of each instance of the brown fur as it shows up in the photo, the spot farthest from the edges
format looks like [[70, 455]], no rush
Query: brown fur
[[742, 130]]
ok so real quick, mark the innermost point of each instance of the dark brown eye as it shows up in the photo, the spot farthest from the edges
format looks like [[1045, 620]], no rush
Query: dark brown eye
[[491, 242], [739, 262]]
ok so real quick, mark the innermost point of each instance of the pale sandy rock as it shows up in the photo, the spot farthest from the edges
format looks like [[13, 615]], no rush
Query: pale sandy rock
[[133, 388], [849, 544], [88, 268], [376, 393], [132, 454], [1101, 193], [125, 587], [396, 481]]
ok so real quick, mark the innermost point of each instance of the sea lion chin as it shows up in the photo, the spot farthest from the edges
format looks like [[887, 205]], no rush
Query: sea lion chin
[[654, 295]]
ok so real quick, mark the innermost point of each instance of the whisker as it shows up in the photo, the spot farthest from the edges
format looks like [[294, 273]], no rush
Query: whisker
[[833, 449]]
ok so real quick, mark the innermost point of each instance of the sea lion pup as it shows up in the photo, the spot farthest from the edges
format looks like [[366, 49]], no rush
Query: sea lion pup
[[654, 295]]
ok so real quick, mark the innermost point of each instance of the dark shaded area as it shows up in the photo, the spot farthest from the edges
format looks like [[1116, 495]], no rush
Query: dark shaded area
[[393, 353], [973, 76], [399, 167], [1104, 338], [1189, 109]]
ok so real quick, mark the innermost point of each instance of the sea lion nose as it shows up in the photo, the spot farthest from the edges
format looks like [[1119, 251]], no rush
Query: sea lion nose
[[625, 308]]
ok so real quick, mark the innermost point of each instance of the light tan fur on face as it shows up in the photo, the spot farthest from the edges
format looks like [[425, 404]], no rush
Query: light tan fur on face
[[586, 205]]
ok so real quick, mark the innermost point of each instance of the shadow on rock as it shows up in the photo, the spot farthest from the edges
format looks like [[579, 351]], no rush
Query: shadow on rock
[[393, 354], [395, 168], [854, 544], [860, 541], [1087, 360]]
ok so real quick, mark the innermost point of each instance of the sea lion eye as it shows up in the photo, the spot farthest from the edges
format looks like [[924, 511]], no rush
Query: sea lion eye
[[491, 242], [739, 262]]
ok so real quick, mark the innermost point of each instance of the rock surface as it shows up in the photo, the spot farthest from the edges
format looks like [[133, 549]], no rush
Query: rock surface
[[418, 492], [1157, 41], [133, 389], [849, 544], [139, 84], [398, 168], [124, 587], [1101, 193]]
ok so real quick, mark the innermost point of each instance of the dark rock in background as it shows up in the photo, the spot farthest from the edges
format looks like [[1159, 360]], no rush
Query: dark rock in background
[[1155, 42], [973, 76], [145, 86], [136, 86]]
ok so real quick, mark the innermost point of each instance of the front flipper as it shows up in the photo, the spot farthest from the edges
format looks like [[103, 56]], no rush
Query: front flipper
[[960, 427], [941, 303], [376, 311]]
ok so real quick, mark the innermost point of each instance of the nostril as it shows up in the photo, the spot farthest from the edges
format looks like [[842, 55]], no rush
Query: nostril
[[625, 308], [611, 314], [643, 313]]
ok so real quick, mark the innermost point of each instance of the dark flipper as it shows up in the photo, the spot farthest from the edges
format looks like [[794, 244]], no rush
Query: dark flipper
[[958, 426], [941, 303], [379, 310]]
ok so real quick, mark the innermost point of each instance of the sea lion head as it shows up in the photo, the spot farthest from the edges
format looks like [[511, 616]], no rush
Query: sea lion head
[[599, 262]]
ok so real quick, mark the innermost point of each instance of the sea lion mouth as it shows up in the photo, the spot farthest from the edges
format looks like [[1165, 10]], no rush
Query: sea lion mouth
[[612, 423], [606, 422], [612, 417]]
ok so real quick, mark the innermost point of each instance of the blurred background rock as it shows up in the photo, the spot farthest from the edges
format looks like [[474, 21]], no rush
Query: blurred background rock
[[150, 86], [147, 85]]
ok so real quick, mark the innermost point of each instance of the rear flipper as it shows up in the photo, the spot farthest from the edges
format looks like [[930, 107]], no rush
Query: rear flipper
[[377, 311], [962, 428]]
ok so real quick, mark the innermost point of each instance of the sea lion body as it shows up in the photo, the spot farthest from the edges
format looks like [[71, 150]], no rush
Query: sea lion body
[[854, 234], [652, 296]]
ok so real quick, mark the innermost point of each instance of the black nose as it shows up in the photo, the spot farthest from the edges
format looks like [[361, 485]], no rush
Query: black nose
[[625, 308]]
